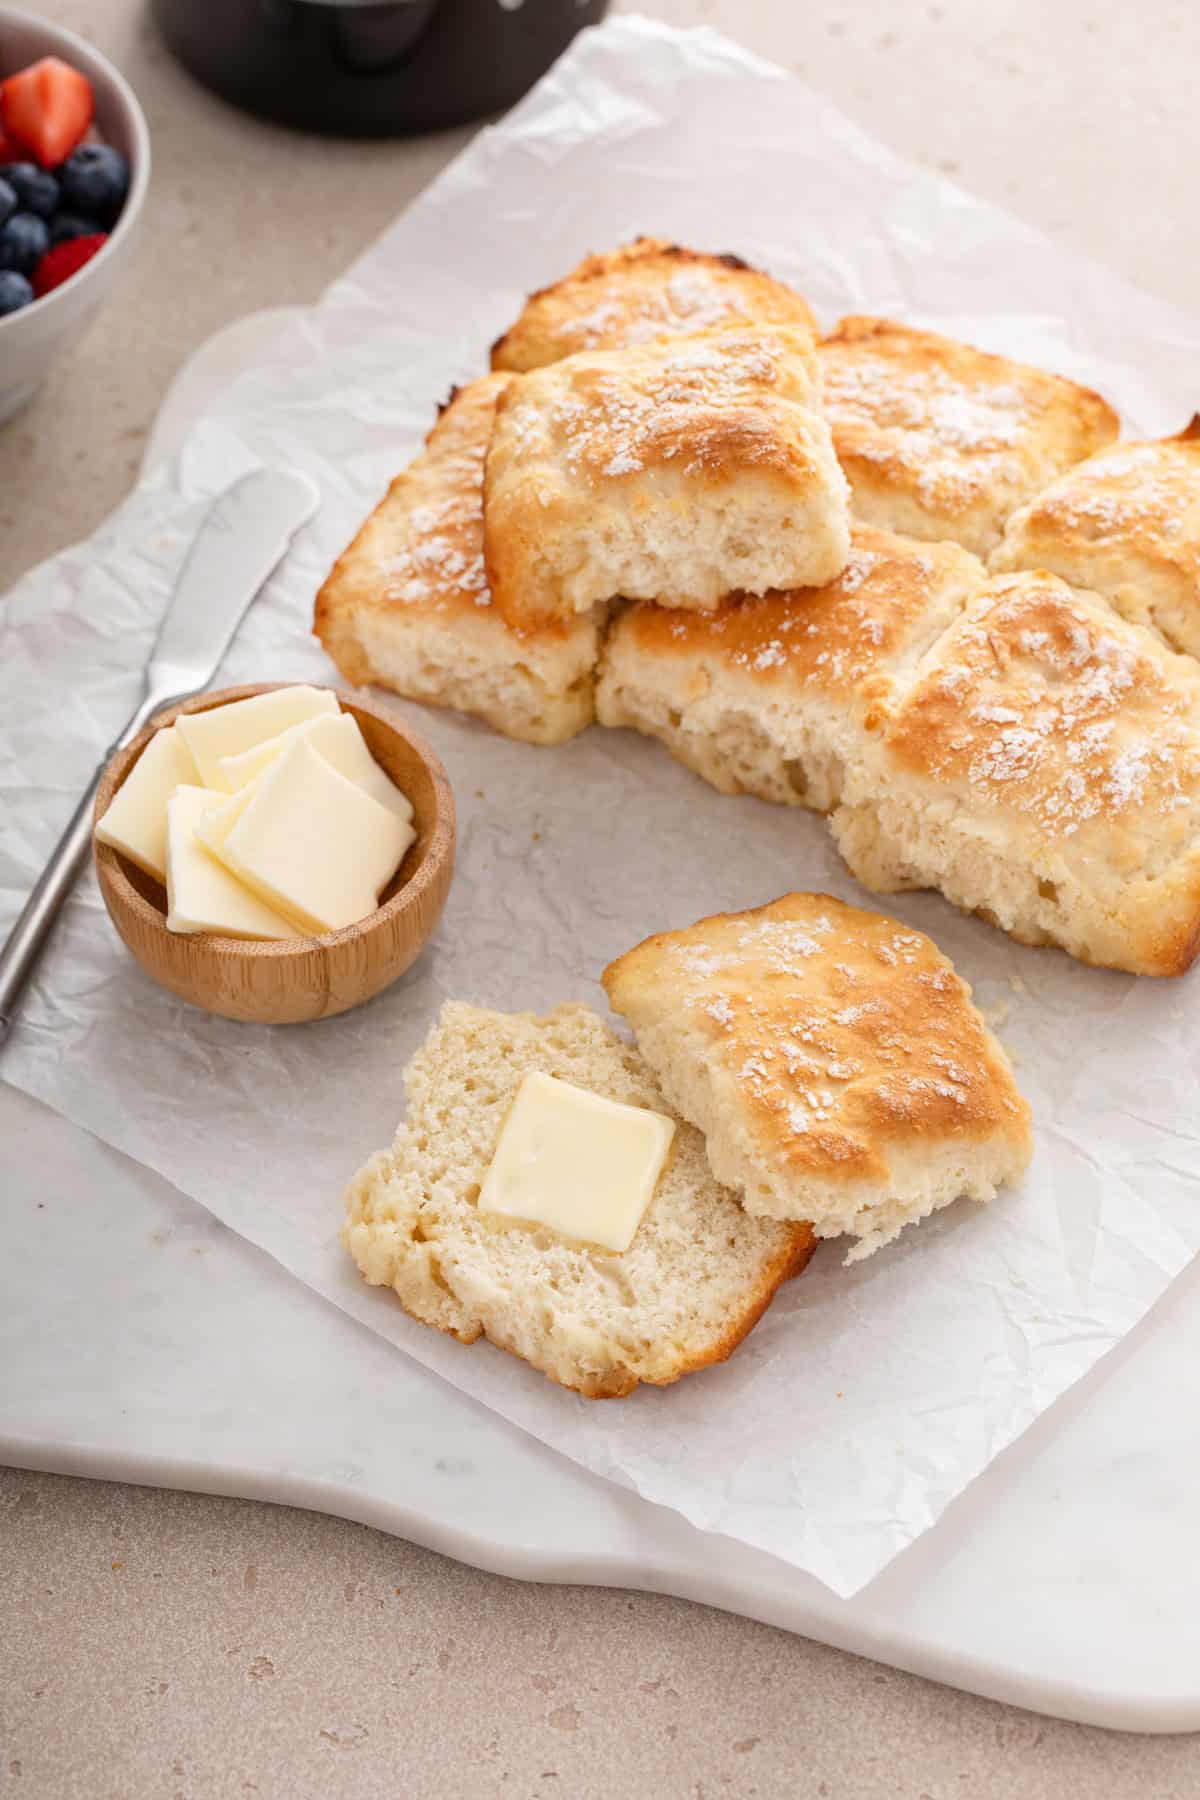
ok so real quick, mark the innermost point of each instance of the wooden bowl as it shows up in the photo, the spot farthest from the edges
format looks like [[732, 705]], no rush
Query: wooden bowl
[[287, 982]]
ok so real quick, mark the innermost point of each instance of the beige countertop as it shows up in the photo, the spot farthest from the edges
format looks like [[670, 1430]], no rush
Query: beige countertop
[[160, 1644]]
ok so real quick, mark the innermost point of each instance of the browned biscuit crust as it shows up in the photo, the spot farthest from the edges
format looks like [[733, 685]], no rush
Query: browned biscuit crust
[[833, 1060], [407, 604], [647, 289], [939, 440], [1126, 524]]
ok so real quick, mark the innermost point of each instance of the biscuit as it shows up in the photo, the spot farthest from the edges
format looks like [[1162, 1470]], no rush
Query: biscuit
[[1126, 523], [939, 440], [678, 471], [767, 696], [833, 1060], [1043, 771], [407, 605], [644, 290], [696, 1278]]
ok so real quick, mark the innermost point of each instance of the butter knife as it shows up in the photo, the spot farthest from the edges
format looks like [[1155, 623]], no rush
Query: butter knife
[[243, 536]]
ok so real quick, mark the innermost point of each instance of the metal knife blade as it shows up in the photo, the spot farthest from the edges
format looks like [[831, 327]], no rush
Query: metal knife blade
[[244, 534]]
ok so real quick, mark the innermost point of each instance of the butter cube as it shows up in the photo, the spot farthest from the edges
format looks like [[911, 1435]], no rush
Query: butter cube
[[228, 730], [336, 737], [310, 843], [201, 894], [584, 1166], [136, 820]]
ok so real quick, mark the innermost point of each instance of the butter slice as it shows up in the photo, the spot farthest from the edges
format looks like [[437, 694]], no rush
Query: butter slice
[[136, 820], [201, 895], [582, 1165], [310, 843], [336, 737], [218, 819], [228, 730]]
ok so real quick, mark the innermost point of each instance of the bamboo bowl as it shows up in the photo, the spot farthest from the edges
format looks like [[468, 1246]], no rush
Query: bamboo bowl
[[288, 982]]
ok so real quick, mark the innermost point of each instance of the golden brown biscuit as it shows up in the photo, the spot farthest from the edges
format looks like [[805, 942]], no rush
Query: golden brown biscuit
[[407, 605], [647, 289], [681, 470], [1125, 523], [833, 1060], [939, 440], [768, 696], [1044, 771]]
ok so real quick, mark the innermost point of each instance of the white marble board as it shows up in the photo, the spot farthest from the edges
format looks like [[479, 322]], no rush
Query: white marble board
[[142, 1341]]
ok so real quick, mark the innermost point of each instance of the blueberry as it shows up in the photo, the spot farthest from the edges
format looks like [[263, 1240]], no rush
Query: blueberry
[[95, 180], [15, 292], [70, 225], [23, 243], [8, 201], [36, 189]]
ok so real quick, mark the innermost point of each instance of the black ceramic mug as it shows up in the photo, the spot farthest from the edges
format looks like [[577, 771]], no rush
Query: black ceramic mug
[[371, 68]]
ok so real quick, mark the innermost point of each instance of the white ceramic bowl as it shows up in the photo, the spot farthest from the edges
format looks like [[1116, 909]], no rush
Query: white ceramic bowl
[[30, 339]]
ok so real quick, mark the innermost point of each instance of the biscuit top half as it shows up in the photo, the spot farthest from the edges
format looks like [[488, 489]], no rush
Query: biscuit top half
[[647, 289], [839, 1034], [713, 406]]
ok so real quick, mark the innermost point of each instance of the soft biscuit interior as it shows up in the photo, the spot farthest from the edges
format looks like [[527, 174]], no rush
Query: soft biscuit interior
[[770, 696], [693, 1281]]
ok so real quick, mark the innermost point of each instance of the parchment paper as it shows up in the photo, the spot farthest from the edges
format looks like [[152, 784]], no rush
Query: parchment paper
[[870, 1396]]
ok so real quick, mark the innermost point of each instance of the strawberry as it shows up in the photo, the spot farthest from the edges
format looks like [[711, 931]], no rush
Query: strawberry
[[10, 151], [46, 108], [64, 260]]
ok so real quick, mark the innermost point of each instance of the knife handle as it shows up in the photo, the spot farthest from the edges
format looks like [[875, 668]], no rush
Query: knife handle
[[35, 921]]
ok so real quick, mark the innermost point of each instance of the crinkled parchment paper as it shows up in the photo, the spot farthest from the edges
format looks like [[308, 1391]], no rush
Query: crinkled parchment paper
[[869, 1396]]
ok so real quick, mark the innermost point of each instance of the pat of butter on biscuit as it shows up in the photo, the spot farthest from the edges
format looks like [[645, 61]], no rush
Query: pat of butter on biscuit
[[136, 820], [571, 1160], [308, 842], [228, 730], [201, 894]]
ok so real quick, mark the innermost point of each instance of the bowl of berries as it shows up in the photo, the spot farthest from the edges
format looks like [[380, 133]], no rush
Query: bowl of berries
[[74, 166]]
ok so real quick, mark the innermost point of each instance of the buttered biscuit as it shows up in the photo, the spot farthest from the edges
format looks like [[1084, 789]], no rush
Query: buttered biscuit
[[695, 1279], [407, 605], [1044, 771], [679, 471], [939, 440], [644, 290], [1127, 524], [833, 1060]]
